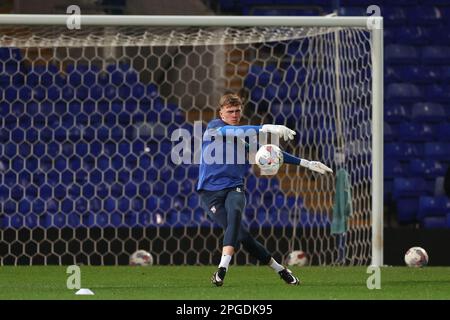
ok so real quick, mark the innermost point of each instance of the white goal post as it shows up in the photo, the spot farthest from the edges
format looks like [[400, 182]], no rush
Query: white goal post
[[260, 32]]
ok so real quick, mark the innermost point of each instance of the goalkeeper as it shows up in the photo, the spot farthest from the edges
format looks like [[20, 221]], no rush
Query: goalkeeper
[[221, 186]]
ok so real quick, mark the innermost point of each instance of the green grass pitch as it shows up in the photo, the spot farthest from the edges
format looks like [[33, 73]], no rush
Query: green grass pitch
[[242, 282]]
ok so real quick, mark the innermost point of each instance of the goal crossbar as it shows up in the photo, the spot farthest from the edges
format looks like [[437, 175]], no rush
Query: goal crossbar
[[184, 21]]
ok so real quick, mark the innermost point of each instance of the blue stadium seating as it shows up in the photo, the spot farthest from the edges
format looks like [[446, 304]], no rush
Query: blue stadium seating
[[411, 35], [416, 132], [416, 74], [402, 151], [435, 55], [403, 92], [438, 151], [408, 187], [433, 207], [427, 168], [389, 132], [435, 223], [401, 54], [424, 15], [444, 131], [437, 93]]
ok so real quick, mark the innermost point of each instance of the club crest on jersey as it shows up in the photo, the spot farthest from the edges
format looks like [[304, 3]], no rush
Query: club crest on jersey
[[213, 209]]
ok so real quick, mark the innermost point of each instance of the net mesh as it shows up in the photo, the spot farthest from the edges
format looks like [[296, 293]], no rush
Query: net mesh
[[78, 108]]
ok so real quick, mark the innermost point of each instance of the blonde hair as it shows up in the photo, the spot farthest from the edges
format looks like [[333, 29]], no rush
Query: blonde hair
[[230, 99]]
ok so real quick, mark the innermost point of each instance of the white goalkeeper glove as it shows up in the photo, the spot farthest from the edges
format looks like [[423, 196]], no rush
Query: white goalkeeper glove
[[282, 131], [315, 166]]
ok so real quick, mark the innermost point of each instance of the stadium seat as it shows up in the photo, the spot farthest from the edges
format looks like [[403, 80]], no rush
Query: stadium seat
[[439, 34], [179, 116], [263, 184], [437, 93], [24, 206], [7, 53], [116, 190], [123, 204], [433, 207], [429, 168], [389, 133], [180, 172], [151, 203], [59, 220], [280, 199], [166, 147], [424, 15], [408, 187], [416, 132], [130, 218], [393, 16], [101, 219], [395, 113], [435, 55], [87, 219], [401, 54], [31, 221], [417, 74], [262, 217], [444, 131], [434, 223], [45, 220], [352, 11], [391, 74], [255, 198], [438, 151], [393, 168], [193, 172], [193, 201], [109, 204], [402, 151], [403, 92], [159, 188], [145, 218], [411, 35]]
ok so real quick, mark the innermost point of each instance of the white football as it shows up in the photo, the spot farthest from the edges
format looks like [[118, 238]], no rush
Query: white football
[[141, 258], [269, 158], [416, 257], [297, 258]]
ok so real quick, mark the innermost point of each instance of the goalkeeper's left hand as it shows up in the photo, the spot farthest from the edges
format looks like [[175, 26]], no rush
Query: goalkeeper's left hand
[[315, 166], [283, 131]]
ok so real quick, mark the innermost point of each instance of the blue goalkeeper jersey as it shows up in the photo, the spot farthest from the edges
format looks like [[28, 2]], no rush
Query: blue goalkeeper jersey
[[218, 176], [231, 148]]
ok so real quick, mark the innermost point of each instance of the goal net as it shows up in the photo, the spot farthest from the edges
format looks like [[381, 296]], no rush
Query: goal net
[[87, 116]]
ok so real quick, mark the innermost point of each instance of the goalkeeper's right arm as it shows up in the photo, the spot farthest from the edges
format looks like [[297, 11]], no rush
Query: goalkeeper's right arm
[[311, 165]]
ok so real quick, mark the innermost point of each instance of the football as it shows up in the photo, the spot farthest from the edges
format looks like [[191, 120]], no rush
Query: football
[[141, 258], [269, 159], [297, 258], [416, 257]]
